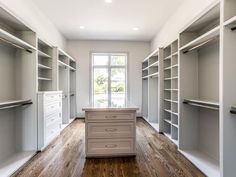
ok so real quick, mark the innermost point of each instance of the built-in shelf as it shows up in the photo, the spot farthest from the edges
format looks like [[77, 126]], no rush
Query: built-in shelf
[[155, 64], [44, 66], [231, 23], [208, 165], [167, 79], [202, 40], [175, 125], [202, 103], [172, 101], [167, 121], [145, 77], [14, 162], [72, 69], [174, 66], [44, 79], [62, 64], [168, 68], [168, 58], [146, 68], [14, 103], [154, 74], [175, 54], [171, 89], [14, 41], [42, 54]]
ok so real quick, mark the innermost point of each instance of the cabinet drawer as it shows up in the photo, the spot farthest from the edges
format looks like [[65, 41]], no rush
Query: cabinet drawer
[[52, 133], [52, 108], [53, 118], [52, 128], [110, 116], [103, 147], [109, 130], [53, 97]]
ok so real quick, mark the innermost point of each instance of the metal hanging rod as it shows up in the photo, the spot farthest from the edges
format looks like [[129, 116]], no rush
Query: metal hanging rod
[[201, 104], [72, 94], [15, 45], [201, 44], [233, 110], [10, 105], [233, 28]]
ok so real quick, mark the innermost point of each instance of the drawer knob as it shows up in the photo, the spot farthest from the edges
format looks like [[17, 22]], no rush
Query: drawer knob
[[111, 146], [111, 129]]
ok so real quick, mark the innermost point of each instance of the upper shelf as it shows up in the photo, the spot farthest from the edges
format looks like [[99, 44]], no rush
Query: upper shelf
[[42, 54], [210, 36], [154, 53], [231, 23], [15, 41]]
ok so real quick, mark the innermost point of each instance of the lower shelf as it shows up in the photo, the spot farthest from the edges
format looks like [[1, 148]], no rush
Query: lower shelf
[[206, 164], [155, 126], [173, 140], [13, 163]]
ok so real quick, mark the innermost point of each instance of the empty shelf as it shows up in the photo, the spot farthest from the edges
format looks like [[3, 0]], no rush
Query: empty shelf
[[14, 41], [231, 23], [155, 64], [144, 69], [44, 67], [62, 64], [206, 38], [72, 69], [175, 125], [154, 74], [168, 58], [167, 79], [202, 103], [167, 121], [174, 66], [145, 77], [175, 54], [14, 103], [168, 68], [206, 164], [44, 79], [14, 162], [42, 54]]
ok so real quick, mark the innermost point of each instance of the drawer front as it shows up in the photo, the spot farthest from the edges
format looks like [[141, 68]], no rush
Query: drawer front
[[109, 130], [112, 116], [53, 97], [53, 128], [52, 108], [53, 118], [51, 134], [100, 147]]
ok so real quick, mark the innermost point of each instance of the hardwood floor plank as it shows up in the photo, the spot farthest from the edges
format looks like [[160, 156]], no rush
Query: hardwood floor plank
[[65, 157]]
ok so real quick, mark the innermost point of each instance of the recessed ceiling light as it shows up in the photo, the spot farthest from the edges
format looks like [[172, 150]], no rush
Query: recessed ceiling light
[[81, 27], [108, 1], [135, 28]]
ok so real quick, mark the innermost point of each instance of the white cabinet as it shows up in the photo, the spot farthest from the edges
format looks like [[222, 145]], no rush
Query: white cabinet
[[49, 117]]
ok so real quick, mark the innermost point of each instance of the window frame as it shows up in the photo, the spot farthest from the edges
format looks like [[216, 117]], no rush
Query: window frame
[[109, 67]]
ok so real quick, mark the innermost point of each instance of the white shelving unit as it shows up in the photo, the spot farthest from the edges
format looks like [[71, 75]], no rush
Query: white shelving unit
[[199, 132], [18, 107], [66, 82], [151, 86], [45, 67]]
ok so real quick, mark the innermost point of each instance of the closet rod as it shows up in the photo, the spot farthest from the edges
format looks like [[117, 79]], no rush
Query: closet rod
[[202, 105], [15, 45], [233, 28], [15, 105], [201, 44], [72, 95], [233, 110]]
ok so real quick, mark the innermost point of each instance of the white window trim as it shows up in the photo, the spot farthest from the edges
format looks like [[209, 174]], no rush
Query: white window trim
[[109, 70]]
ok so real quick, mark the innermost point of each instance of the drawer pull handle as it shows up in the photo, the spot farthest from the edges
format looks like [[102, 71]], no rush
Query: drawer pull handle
[[111, 129], [111, 146]]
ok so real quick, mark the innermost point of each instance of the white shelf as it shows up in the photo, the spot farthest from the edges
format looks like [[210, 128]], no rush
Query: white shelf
[[169, 136], [174, 54], [44, 79], [167, 79], [44, 67], [171, 89], [174, 66], [231, 21], [15, 41], [168, 58], [154, 64], [62, 64], [167, 110], [175, 113], [145, 77], [13, 163], [155, 126], [172, 101], [154, 74], [42, 54], [154, 53], [173, 78], [167, 121], [196, 43], [206, 164], [144, 69], [175, 125], [168, 68], [13, 103], [72, 69]]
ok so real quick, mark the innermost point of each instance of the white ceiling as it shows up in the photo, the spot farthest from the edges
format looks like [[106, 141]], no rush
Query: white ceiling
[[114, 21]]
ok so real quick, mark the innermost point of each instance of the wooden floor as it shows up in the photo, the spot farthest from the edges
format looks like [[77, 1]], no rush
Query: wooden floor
[[65, 157]]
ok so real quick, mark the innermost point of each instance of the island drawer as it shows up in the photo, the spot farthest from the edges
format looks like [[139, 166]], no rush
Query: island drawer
[[104, 116], [109, 130], [111, 147]]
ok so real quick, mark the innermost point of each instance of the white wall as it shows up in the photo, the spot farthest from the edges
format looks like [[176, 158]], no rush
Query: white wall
[[182, 17], [81, 51], [27, 11]]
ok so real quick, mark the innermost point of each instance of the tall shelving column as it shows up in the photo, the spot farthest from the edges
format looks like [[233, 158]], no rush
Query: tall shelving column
[[145, 89], [228, 88], [199, 124]]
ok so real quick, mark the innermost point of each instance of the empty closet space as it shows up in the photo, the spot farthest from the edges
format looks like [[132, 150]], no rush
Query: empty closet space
[[45, 67], [171, 92], [72, 88], [199, 92], [18, 120]]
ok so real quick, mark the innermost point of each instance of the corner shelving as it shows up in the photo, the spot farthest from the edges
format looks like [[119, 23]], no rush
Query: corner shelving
[[199, 82]]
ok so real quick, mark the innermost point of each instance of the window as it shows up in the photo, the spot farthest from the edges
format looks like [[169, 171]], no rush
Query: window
[[109, 83]]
